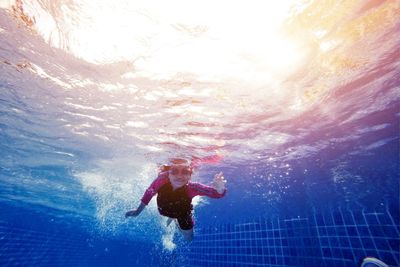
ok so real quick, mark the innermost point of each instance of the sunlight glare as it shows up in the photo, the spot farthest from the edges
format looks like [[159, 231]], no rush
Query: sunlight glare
[[213, 40]]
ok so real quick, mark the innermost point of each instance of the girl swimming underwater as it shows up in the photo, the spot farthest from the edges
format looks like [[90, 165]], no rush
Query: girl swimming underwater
[[175, 192]]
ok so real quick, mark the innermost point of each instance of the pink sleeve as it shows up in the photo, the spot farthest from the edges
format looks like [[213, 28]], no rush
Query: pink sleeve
[[154, 187], [198, 189]]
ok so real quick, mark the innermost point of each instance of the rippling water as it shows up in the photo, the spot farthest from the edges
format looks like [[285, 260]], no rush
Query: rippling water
[[91, 104]]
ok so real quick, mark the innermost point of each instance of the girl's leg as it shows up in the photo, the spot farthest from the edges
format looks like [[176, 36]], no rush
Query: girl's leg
[[187, 234], [186, 224], [169, 220]]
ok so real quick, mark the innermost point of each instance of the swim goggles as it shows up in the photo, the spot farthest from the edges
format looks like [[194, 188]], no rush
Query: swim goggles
[[182, 171]]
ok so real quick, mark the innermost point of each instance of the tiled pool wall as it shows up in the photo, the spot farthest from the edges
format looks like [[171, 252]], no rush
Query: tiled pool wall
[[336, 238], [25, 247], [29, 238]]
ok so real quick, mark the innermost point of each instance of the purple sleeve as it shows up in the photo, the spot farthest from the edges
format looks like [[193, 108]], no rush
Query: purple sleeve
[[198, 189], [154, 187]]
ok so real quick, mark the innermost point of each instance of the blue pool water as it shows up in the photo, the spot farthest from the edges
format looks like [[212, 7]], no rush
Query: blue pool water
[[304, 119]]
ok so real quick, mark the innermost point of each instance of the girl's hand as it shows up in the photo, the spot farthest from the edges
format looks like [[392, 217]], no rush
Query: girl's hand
[[219, 182], [132, 213]]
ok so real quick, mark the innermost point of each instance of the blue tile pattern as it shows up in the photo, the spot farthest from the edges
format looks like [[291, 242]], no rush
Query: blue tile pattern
[[337, 238], [26, 247], [29, 238]]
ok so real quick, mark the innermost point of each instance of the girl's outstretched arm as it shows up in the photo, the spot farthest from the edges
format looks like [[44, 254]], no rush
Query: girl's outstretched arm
[[136, 212], [148, 195], [217, 190]]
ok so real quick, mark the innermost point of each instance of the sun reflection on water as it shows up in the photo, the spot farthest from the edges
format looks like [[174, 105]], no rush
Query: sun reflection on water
[[242, 80], [214, 41]]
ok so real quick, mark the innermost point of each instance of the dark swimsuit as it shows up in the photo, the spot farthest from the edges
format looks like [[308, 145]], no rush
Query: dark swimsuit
[[176, 204]]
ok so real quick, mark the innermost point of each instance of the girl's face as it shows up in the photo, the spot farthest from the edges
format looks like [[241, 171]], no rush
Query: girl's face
[[179, 175]]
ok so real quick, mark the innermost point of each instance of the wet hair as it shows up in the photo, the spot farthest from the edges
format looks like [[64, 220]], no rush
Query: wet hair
[[164, 168], [179, 161]]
